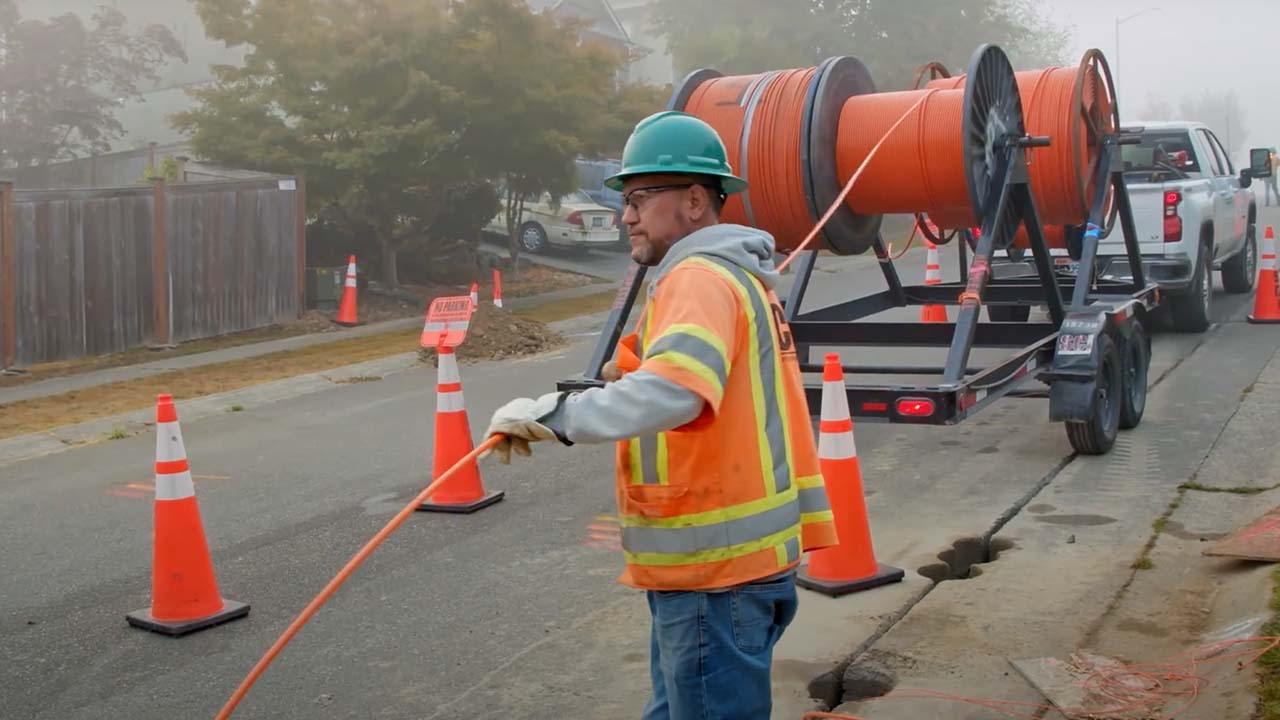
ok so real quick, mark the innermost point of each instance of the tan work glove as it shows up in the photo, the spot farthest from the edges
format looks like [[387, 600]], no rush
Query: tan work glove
[[519, 422]]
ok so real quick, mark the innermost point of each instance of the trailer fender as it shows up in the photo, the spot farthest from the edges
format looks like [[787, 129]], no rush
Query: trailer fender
[[1074, 371]]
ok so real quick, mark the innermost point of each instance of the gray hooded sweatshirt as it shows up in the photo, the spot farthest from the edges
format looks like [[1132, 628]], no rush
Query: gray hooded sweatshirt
[[642, 403]]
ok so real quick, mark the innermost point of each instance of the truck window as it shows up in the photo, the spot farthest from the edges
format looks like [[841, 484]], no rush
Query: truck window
[[1223, 155], [1159, 150], [1215, 160]]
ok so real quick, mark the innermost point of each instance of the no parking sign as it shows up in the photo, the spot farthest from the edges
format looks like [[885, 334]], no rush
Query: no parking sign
[[447, 321]]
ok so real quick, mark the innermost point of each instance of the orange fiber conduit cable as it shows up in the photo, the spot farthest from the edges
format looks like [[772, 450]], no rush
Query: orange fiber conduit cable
[[853, 180], [355, 562], [774, 156], [1062, 174], [921, 166]]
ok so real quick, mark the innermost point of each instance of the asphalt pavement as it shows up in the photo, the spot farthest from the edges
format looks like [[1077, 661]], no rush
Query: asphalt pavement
[[512, 612]]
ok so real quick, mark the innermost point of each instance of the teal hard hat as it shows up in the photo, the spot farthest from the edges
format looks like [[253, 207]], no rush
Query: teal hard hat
[[673, 142]]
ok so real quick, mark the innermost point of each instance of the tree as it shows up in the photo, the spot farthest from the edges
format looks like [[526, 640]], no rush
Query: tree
[[386, 105], [533, 95], [1221, 111], [350, 93], [891, 38], [61, 81]]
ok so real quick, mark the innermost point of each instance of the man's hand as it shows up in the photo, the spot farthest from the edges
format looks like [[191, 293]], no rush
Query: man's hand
[[610, 372], [519, 422]]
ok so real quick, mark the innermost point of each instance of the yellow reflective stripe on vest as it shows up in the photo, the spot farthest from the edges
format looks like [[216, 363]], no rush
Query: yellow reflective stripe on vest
[[648, 454], [815, 507], [697, 539], [695, 349], [722, 553], [766, 376], [788, 551]]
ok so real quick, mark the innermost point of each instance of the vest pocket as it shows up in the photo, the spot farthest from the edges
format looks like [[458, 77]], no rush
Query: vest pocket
[[653, 500]]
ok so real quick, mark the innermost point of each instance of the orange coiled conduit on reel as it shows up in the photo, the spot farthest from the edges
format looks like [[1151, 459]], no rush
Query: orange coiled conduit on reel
[[1076, 108], [798, 135]]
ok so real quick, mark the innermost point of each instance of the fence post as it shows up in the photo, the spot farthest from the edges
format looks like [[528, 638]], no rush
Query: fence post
[[8, 258], [159, 262], [300, 210]]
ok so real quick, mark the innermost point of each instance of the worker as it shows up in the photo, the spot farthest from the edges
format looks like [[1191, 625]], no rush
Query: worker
[[718, 482]]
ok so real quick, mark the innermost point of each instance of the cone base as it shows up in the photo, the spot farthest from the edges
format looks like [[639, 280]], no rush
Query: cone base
[[347, 324], [231, 610], [1262, 321], [462, 508], [885, 575]]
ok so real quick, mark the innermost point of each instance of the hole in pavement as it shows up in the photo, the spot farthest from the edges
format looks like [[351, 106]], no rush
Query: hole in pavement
[[960, 561]]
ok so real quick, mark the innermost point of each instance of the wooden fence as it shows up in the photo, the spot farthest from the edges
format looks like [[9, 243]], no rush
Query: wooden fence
[[98, 271]]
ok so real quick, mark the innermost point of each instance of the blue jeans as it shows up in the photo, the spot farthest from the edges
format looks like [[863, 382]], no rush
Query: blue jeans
[[710, 653]]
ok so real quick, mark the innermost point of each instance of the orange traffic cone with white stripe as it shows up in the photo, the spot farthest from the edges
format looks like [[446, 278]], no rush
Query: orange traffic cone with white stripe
[[464, 493], [184, 590], [933, 276], [497, 287], [1266, 298], [475, 296], [850, 566], [347, 306]]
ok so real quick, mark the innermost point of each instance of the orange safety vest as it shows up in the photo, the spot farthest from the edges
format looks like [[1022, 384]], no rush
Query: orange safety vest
[[736, 495]]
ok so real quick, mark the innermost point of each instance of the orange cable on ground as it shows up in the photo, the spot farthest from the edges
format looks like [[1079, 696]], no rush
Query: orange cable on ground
[[355, 562]]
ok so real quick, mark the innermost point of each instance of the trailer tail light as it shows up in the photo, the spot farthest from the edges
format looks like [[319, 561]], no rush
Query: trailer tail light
[[875, 407], [915, 407], [575, 218], [1172, 222]]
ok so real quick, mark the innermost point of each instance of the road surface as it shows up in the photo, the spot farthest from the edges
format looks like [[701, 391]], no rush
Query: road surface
[[511, 612]]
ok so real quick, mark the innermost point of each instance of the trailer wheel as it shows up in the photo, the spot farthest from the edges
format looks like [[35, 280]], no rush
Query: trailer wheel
[[1136, 353], [1096, 435]]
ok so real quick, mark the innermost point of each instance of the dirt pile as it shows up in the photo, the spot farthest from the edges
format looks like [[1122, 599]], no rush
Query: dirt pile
[[495, 334]]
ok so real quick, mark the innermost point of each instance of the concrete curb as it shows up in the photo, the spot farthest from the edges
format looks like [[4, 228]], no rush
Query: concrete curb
[[26, 447]]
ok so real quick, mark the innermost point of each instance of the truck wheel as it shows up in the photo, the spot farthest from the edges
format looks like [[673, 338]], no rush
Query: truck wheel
[[1096, 435], [1191, 309], [1009, 313], [1239, 272], [1135, 353]]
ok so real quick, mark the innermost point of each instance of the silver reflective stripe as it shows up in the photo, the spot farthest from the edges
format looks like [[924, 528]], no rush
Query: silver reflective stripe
[[694, 347], [793, 549], [685, 540], [649, 460], [813, 500], [773, 426]]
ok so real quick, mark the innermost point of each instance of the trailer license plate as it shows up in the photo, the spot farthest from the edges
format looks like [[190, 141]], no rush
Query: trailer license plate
[[1072, 344]]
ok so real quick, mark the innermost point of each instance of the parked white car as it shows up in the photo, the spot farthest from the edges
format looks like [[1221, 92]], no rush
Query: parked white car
[[575, 221]]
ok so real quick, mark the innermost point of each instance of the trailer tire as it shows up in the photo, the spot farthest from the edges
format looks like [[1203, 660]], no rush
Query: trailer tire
[[1097, 435], [1009, 313], [1135, 354]]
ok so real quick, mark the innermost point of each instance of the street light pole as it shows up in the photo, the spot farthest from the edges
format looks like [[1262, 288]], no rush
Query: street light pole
[[1120, 21]]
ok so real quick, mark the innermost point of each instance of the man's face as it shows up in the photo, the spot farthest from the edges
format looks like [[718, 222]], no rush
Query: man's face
[[660, 210]]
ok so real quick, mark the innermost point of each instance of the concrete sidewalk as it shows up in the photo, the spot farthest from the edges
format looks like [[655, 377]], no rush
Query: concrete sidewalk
[[105, 376]]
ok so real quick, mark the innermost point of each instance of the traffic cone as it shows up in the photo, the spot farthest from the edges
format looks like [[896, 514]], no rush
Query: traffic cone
[[464, 493], [933, 276], [347, 307], [184, 590], [497, 287], [475, 296], [850, 566], [1266, 300]]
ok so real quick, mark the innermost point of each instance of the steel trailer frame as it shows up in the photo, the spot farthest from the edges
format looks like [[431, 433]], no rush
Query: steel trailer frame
[[1066, 352]]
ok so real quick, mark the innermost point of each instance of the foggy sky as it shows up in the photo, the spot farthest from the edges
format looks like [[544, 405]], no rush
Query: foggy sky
[[1183, 48]]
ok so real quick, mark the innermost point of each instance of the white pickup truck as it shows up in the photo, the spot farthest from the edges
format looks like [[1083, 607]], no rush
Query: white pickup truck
[[1193, 214]]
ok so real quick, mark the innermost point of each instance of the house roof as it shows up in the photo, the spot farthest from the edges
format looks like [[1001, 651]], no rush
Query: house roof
[[599, 13]]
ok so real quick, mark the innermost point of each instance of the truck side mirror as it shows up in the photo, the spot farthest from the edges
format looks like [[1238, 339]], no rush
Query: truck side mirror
[[1260, 163]]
